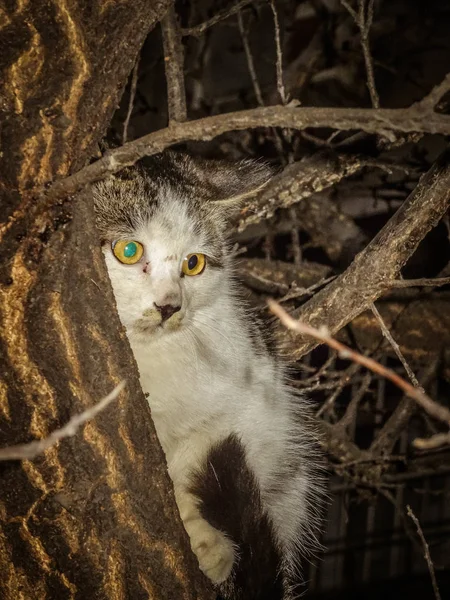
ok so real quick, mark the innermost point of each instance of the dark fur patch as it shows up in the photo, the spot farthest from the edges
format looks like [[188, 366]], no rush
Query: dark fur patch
[[262, 328], [229, 500]]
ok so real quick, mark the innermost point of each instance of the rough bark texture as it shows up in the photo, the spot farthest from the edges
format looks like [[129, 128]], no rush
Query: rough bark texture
[[94, 517]]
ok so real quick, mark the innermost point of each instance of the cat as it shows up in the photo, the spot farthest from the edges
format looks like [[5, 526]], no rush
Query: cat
[[240, 445]]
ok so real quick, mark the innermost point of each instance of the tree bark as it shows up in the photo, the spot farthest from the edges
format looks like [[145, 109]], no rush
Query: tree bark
[[94, 517]]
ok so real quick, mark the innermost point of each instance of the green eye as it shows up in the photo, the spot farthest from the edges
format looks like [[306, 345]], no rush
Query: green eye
[[127, 252]]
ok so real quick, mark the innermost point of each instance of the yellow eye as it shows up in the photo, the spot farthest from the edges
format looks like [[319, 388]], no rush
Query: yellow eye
[[128, 252], [194, 264]]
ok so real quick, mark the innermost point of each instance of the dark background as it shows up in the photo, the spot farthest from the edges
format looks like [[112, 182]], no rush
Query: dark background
[[371, 547]]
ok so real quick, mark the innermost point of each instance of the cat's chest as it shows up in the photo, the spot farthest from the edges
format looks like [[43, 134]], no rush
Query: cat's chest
[[188, 376], [189, 388]]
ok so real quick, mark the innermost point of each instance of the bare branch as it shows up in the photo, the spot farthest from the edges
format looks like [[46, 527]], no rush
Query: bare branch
[[406, 283], [297, 181], [174, 66], [134, 79], [426, 551], [198, 30], [366, 23], [344, 380], [350, 9], [379, 121], [33, 449], [438, 411], [363, 19], [387, 334], [432, 99], [394, 426], [280, 84], [351, 411], [435, 441], [372, 271], [250, 62]]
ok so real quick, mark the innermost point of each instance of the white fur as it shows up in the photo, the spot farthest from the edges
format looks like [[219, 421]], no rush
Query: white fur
[[205, 380]]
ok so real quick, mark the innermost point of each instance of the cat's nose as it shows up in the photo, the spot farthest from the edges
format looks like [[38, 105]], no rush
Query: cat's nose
[[167, 310]]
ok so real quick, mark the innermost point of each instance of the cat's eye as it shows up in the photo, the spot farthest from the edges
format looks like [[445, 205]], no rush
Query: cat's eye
[[127, 252], [194, 264]]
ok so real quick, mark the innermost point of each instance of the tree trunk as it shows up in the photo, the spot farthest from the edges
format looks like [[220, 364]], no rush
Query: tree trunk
[[94, 517]]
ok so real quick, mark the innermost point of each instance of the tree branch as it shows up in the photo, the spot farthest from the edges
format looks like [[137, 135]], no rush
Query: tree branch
[[380, 121], [437, 411], [387, 334], [432, 282], [133, 86], [32, 449], [372, 271], [426, 550], [174, 66], [430, 101], [280, 82], [363, 19], [394, 426], [200, 29], [250, 61], [297, 181]]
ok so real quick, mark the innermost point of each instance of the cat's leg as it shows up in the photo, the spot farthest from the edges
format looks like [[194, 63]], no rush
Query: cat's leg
[[214, 551]]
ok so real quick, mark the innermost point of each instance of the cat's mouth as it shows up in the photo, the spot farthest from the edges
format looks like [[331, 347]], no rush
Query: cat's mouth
[[153, 324]]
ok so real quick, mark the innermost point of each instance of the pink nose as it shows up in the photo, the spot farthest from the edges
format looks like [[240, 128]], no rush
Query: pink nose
[[167, 310]]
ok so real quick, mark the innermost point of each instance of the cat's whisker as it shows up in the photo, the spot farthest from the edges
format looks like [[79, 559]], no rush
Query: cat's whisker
[[216, 330], [191, 341]]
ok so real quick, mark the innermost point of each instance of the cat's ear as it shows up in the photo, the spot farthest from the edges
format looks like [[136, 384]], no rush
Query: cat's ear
[[238, 181], [231, 182]]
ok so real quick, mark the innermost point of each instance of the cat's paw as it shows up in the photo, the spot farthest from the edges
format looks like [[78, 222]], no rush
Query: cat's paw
[[214, 551]]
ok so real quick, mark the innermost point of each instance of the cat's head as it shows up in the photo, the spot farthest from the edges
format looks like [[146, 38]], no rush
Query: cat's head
[[163, 230]]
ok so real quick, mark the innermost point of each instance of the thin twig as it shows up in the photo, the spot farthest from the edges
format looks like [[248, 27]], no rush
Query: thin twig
[[387, 334], [250, 62], [363, 19], [426, 552], [280, 83], [438, 411], [255, 81], [340, 385], [297, 292], [406, 283], [133, 86], [198, 30], [174, 66], [33, 449], [435, 441], [432, 99], [295, 238], [350, 10], [351, 411], [365, 33], [393, 427]]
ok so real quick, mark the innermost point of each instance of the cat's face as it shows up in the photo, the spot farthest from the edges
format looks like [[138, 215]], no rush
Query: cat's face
[[178, 271], [163, 233]]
